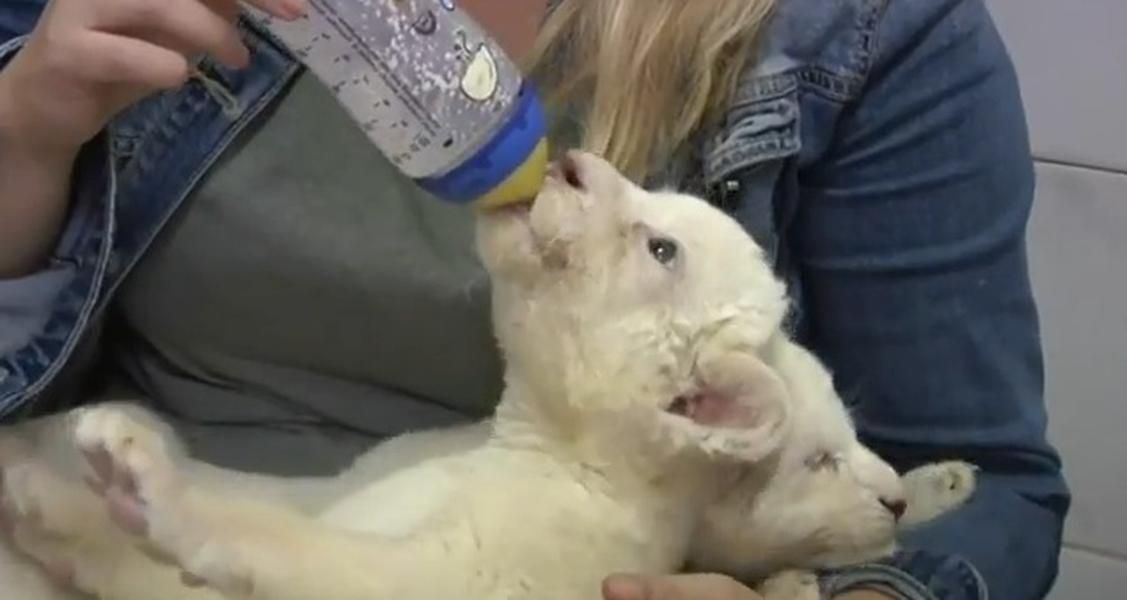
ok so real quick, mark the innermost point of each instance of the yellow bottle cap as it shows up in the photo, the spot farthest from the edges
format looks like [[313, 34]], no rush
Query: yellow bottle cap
[[520, 186]]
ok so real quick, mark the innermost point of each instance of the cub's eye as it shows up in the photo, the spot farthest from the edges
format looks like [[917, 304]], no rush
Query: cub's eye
[[823, 461], [664, 250]]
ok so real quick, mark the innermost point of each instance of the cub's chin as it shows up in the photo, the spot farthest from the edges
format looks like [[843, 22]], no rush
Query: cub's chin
[[505, 241]]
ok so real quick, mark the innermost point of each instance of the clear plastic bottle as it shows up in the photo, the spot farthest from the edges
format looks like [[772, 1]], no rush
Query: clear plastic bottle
[[432, 90]]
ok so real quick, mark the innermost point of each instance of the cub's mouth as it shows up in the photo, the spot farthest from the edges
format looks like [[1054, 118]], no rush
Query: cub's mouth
[[531, 236], [516, 211], [561, 175]]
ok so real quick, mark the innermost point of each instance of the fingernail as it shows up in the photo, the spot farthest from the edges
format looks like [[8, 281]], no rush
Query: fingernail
[[624, 587], [292, 9], [239, 59]]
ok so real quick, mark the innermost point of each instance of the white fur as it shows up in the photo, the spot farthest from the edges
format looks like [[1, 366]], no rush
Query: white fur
[[818, 502], [653, 413]]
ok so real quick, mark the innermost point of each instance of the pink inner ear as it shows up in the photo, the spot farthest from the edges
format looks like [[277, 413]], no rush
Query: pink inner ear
[[714, 409]]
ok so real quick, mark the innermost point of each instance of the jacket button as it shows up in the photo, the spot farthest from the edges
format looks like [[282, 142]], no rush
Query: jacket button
[[728, 190]]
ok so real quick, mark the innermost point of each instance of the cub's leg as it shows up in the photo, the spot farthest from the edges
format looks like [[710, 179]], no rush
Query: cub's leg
[[241, 547], [61, 530], [936, 488]]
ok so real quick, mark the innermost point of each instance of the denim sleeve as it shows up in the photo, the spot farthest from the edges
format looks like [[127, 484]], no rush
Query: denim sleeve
[[25, 302], [43, 315], [910, 242]]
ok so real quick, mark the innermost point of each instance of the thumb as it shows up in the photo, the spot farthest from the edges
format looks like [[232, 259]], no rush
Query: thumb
[[625, 587], [695, 586]]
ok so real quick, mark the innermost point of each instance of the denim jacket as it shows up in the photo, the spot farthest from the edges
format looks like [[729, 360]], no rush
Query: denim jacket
[[876, 148]]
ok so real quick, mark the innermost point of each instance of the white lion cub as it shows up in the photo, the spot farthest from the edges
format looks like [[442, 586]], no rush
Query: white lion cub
[[653, 414], [823, 500]]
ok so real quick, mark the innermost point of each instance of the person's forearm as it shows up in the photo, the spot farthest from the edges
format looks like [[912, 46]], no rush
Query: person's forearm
[[34, 187]]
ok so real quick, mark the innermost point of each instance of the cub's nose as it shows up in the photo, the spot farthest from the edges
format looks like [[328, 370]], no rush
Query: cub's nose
[[569, 169], [587, 173], [896, 506]]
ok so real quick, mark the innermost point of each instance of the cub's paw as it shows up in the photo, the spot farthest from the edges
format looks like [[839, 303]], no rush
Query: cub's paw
[[43, 517], [790, 585], [937, 488], [134, 473], [129, 466]]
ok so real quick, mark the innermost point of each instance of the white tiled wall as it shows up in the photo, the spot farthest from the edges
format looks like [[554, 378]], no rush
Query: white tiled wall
[[1072, 61]]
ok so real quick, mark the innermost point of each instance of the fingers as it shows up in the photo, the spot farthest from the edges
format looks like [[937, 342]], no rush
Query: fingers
[[200, 28], [228, 9], [110, 58], [186, 26], [286, 9], [704, 586]]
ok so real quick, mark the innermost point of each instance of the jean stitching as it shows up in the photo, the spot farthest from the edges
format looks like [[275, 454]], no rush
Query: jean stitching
[[8, 48], [92, 297], [901, 582], [868, 21]]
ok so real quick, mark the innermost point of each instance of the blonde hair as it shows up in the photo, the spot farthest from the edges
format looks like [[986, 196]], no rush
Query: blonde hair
[[645, 74]]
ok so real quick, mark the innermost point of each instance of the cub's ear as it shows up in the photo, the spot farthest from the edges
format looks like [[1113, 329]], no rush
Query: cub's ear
[[737, 409]]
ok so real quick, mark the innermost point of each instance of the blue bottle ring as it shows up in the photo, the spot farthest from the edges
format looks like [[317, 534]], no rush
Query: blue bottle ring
[[498, 158]]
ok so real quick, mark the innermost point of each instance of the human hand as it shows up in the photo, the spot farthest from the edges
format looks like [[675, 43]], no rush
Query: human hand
[[702, 586], [88, 59]]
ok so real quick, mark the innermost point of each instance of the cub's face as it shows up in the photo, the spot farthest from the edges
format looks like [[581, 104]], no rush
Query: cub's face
[[830, 502], [646, 309], [824, 500]]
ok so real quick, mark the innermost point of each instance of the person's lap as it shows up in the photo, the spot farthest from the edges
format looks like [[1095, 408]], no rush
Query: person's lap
[[234, 429]]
